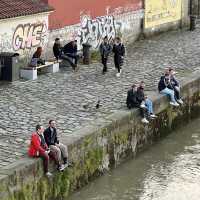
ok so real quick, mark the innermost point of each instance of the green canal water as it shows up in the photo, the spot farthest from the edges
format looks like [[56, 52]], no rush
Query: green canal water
[[169, 170]]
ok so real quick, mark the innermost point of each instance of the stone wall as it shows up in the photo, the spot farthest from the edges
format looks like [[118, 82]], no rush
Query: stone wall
[[126, 25], [24, 34], [96, 149]]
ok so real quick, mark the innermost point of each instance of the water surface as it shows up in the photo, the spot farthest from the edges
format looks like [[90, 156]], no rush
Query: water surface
[[169, 170]]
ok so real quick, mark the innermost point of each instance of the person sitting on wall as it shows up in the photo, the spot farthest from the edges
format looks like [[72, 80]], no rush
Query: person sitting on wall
[[105, 49], [50, 135], [70, 50], [133, 101], [175, 85], [36, 59], [144, 100], [165, 87], [39, 148]]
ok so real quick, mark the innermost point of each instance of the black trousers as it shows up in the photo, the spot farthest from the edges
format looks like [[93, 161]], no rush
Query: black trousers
[[143, 111], [70, 60], [118, 64], [177, 94], [104, 61]]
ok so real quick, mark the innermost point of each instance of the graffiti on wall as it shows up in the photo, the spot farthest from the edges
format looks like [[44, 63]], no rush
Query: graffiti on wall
[[5, 44], [29, 35], [93, 30]]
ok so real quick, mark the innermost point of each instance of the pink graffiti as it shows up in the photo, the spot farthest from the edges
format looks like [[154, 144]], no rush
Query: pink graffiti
[[27, 36]]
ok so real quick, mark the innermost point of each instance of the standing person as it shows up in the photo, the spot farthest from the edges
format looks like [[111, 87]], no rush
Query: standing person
[[175, 85], [119, 52], [39, 148], [105, 49], [36, 58], [70, 50], [50, 135], [57, 49], [165, 87]]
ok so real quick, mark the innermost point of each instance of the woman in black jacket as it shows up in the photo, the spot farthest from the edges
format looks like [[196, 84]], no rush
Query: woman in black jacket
[[119, 52], [57, 49]]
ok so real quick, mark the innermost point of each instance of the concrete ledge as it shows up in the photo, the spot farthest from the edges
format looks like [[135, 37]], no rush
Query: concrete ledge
[[100, 146], [31, 73]]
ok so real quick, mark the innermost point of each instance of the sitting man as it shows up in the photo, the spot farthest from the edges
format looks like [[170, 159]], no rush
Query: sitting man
[[136, 99], [175, 85], [39, 148], [50, 135], [144, 100], [70, 50], [165, 87]]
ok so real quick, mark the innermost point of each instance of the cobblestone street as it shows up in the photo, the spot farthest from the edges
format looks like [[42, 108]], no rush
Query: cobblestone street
[[70, 97]]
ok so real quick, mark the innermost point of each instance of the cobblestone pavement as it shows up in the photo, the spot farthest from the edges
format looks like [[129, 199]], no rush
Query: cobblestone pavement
[[70, 98]]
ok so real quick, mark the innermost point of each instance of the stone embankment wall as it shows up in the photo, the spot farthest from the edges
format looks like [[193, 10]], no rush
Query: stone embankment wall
[[95, 150]]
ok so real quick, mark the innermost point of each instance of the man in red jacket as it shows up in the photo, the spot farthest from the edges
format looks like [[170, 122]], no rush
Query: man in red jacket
[[39, 148]]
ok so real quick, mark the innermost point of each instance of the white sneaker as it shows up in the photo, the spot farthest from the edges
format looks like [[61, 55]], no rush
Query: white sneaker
[[61, 168], [144, 120], [142, 106], [174, 103], [180, 101], [118, 75], [153, 116], [49, 174]]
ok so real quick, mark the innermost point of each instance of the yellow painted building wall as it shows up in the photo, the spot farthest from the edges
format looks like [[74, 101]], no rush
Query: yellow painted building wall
[[159, 12]]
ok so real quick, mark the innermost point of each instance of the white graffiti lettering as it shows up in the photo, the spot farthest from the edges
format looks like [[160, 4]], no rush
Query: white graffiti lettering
[[5, 44], [27, 36], [92, 31]]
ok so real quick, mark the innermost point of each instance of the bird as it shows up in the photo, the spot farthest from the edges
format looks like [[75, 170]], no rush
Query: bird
[[98, 104]]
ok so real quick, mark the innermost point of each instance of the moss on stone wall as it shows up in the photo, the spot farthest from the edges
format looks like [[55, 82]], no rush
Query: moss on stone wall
[[122, 138]]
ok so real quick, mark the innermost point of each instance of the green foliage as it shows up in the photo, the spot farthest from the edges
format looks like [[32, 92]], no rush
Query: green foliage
[[95, 55]]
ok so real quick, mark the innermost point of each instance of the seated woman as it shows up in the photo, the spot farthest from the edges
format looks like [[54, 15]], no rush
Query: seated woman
[[176, 86], [165, 87], [36, 59], [39, 148]]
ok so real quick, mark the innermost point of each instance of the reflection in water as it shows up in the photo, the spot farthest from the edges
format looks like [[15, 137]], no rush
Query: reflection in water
[[169, 170]]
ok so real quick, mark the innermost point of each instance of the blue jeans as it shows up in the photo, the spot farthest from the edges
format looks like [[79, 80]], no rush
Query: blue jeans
[[149, 106], [170, 93]]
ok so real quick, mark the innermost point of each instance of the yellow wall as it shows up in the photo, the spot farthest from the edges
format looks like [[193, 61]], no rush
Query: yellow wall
[[158, 12]]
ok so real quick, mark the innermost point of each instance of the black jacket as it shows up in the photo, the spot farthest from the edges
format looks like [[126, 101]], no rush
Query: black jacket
[[131, 100], [140, 95], [57, 50], [69, 48], [119, 52], [50, 138], [174, 82], [161, 84], [105, 49]]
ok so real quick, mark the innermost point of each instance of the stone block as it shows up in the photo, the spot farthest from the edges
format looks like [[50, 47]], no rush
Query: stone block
[[30, 74]]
